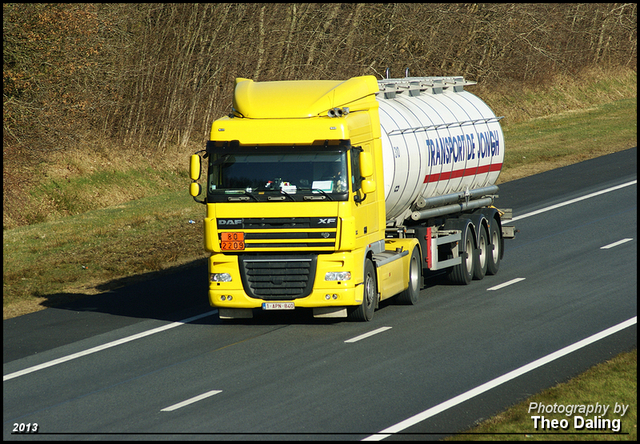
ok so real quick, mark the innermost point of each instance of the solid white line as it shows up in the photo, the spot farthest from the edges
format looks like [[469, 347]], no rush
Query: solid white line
[[366, 335], [105, 346], [615, 244], [568, 202], [498, 381], [190, 401], [506, 284]]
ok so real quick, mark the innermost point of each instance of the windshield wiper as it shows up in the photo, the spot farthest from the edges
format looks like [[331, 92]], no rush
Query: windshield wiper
[[287, 194], [244, 198], [312, 197]]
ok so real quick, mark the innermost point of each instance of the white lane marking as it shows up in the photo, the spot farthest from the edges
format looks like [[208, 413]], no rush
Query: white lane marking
[[615, 244], [506, 284], [366, 335], [190, 401], [568, 202], [499, 380], [106, 346]]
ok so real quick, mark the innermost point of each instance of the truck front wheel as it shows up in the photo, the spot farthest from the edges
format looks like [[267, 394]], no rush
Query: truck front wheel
[[410, 295], [364, 311]]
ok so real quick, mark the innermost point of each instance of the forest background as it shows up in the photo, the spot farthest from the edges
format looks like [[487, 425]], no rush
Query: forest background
[[89, 87]]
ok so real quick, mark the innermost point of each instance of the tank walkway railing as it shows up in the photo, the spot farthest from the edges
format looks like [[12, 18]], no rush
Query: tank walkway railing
[[415, 85], [443, 125]]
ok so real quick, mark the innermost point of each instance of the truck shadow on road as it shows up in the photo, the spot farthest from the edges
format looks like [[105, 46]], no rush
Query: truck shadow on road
[[156, 295], [179, 293], [171, 295]]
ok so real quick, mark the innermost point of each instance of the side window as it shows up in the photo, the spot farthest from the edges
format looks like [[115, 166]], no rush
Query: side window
[[356, 179]]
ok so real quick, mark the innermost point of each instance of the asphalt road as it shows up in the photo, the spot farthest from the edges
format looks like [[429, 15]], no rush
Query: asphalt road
[[152, 360]]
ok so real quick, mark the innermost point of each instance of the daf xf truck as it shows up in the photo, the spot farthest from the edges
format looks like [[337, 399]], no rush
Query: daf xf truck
[[336, 195]]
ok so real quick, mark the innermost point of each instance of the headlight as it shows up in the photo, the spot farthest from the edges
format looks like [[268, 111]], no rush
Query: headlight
[[220, 277], [337, 276]]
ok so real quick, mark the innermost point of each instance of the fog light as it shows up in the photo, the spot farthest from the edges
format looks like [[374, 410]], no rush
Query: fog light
[[337, 276], [335, 296], [229, 297], [220, 277], [327, 296], [222, 298]]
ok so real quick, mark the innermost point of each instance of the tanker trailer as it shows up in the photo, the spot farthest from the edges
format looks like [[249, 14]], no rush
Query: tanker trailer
[[335, 195], [443, 150]]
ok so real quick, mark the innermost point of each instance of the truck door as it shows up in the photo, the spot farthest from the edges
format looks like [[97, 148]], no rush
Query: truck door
[[366, 211]]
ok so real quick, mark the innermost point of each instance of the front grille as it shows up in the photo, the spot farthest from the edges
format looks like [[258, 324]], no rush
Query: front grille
[[252, 223], [278, 277], [278, 233]]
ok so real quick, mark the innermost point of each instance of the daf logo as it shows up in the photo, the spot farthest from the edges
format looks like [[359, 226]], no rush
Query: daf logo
[[327, 221], [229, 221]]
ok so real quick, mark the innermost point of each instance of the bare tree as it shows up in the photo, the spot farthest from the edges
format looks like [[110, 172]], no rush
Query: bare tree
[[156, 75]]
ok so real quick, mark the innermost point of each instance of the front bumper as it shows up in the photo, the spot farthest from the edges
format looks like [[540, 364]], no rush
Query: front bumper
[[321, 293]]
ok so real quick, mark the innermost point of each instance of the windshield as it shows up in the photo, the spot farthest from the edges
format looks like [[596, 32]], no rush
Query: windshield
[[277, 173]]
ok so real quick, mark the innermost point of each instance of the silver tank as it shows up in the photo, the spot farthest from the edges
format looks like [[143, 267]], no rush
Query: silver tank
[[437, 139]]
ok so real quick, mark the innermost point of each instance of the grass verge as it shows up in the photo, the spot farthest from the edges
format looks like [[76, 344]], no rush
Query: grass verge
[[545, 143], [50, 263], [613, 384]]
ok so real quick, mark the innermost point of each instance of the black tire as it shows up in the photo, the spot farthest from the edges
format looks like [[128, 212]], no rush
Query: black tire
[[364, 312], [481, 254], [463, 272], [495, 247], [410, 295]]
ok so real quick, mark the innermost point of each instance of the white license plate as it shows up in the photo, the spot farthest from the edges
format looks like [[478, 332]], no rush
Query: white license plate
[[278, 306]]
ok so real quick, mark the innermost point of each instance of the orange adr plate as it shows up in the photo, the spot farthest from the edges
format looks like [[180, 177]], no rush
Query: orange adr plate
[[232, 241]]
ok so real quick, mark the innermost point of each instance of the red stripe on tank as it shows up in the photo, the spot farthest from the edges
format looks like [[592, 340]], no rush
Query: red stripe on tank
[[462, 173]]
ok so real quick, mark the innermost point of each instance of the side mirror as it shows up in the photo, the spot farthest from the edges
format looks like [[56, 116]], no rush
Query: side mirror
[[368, 186], [366, 171], [194, 167], [366, 164], [195, 189], [194, 172]]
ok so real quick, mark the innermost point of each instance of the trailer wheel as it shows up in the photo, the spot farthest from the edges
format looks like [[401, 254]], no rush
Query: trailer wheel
[[481, 253], [463, 272], [364, 311], [494, 247], [410, 295]]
